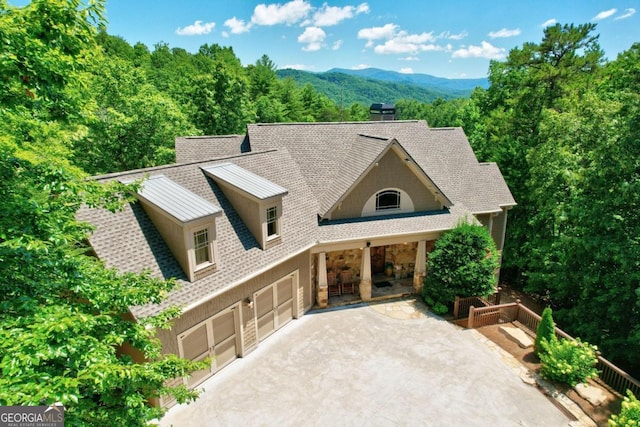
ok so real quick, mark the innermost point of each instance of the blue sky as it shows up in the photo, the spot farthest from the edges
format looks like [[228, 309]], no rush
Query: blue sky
[[451, 39]]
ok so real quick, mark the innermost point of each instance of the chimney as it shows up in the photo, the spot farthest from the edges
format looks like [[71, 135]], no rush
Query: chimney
[[380, 112]]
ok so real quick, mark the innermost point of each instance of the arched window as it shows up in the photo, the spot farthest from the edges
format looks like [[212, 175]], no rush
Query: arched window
[[387, 199]]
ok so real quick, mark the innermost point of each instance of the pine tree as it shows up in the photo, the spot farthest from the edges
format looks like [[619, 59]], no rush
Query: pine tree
[[546, 330]]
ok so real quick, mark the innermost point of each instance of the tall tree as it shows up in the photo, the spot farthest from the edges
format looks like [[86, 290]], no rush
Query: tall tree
[[64, 317], [532, 79], [133, 125], [262, 78], [46, 45]]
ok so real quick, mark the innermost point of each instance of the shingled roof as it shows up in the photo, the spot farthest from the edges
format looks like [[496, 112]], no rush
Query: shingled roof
[[315, 163]]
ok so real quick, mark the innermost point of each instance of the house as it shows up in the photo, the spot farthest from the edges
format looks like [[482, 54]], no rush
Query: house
[[259, 228]]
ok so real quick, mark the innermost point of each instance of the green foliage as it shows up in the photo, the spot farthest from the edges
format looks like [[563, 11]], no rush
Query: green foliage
[[66, 333], [132, 126], [563, 127], [64, 317], [629, 413], [568, 361], [463, 263], [546, 330]]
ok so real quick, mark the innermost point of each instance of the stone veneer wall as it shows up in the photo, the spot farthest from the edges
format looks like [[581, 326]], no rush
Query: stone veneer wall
[[402, 256], [339, 260]]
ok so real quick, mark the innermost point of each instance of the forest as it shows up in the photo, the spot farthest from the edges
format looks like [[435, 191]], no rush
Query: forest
[[561, 121]]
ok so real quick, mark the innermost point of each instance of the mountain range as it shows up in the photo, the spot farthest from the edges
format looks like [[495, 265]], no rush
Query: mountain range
[[370, 85]]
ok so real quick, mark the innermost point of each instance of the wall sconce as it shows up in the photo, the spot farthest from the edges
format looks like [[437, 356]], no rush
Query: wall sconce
[[248, 302], [368, 244]]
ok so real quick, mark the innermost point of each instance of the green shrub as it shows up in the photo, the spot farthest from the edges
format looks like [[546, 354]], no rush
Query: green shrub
[[439, 308], [629, 414], [546, 330], [568, 361], [463, 264]]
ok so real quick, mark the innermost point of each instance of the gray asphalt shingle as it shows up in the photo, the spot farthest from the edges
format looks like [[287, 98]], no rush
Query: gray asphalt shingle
[[316, 163]]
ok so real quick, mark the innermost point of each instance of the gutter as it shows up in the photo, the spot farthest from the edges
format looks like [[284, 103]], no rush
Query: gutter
[[246, 278]]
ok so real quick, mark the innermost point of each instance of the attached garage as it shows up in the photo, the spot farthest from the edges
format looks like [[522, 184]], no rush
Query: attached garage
[[276, 305], [217, 338]]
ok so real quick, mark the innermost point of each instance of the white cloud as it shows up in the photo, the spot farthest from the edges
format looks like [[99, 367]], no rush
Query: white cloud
[[298, 67], [362, 8], [549, 22], [288, 13], [237, 26], [407, 70], [448, 35], [394, 47], [604, 14], [376, 33], [627, 14], [313, 37], [410, 58], [485, 50], [458, 36], [361, 67], [337, 45], [400, 42], [405, 43], [327, 15], [198, 28], [503, 33]]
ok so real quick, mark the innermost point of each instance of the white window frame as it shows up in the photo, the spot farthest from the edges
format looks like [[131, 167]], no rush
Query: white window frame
[[209, 230], [275, 222]]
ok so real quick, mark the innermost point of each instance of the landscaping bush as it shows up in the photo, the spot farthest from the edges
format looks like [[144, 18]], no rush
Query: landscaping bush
[[546, 330], [629, 414], [568, 361], [463, 264]]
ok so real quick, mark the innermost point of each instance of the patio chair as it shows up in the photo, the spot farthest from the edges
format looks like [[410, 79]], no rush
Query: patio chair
[[347, 282], [334, 287]]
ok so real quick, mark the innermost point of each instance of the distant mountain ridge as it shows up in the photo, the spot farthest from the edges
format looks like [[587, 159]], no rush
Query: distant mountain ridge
[[371, 85], [424, 80]]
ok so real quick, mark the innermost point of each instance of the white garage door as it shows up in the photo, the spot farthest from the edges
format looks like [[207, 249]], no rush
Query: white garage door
[[217, 337], [274, 306]]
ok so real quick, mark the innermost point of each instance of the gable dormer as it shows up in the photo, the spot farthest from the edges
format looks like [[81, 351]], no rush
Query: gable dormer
[[185, 221], [257, 200], [379, 177]]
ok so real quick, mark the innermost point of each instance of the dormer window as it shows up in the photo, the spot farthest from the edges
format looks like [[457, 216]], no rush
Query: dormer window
[[257, 200], [388, 199], [201, 247], [186, 222], [272, 222]]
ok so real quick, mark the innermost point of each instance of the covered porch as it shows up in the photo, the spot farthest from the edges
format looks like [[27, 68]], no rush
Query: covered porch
[[346, 274]]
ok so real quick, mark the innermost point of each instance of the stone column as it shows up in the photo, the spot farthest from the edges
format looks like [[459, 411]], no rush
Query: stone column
[[365, 275], [323, 290], [421, 266]]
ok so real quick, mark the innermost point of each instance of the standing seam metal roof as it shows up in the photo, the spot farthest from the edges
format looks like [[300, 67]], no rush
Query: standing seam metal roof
[[257, 186], [176, 200]]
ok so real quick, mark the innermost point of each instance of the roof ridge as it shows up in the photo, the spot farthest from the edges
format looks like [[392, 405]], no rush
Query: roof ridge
[[211, 136], [382, 138], [374, 122], [177, 165]]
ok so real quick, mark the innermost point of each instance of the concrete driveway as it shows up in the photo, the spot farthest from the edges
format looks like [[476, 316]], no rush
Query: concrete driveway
[[380, 365]]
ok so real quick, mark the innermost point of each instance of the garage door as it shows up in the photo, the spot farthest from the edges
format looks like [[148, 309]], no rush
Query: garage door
[[217, 337], [274, 306]]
